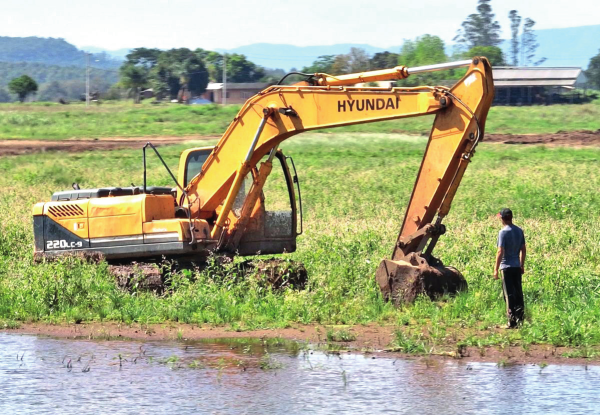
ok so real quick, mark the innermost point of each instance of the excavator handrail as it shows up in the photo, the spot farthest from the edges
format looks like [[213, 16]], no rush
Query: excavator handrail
[[190, 224]]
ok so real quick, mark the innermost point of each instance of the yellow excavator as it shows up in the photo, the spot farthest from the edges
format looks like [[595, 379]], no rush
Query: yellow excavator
[[218, 203]]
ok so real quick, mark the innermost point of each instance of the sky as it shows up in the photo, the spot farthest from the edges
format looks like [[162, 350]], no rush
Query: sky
[[226, 24]]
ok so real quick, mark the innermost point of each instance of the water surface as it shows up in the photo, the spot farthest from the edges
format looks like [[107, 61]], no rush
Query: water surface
[[47, 375]]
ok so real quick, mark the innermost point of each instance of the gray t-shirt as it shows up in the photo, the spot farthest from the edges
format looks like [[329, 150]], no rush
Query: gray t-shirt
[[511, 238]]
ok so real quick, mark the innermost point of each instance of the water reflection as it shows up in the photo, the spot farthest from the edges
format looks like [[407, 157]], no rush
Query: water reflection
[[44, 375]]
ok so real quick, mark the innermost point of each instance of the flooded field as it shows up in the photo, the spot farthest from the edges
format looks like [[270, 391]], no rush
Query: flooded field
[[47, 375]]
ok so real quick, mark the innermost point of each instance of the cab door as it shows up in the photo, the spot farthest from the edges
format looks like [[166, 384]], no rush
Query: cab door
[[274, 222]]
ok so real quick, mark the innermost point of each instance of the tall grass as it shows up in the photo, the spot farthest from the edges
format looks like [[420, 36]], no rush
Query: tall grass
[[355, 188], [124, 119]]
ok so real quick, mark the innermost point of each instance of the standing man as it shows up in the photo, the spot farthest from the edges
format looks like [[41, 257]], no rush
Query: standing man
[[510, 259]]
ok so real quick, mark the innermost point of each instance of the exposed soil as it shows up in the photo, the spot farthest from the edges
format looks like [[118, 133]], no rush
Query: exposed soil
[[372, 338], [561, 138], [16, 147], [275, 273]]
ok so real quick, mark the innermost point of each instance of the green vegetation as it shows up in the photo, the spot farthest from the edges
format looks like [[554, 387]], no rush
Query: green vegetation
[[175, 73], [56, 65], [593, 71], [341, 335], [65, 75], [110, 119], [22, 86], [355, 187], [55, 121]]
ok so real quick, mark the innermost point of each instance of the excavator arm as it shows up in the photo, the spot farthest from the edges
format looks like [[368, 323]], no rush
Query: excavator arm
[[279, 112]]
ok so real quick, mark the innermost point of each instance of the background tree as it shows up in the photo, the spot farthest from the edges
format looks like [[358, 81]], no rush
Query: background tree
[[143, 57], [341, 65], [424, 50], [480, 29], [323, 64], [179, 73], [515, 23], [240, 69], [593, 71], [213, 62], [22, 86], [358, 60], [135, 71], [134, 78], [529, 44], [493, 53], [384, 60]]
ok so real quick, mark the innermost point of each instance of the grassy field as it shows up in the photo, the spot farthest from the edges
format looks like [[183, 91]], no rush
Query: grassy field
[[110, 119], [355, 187]]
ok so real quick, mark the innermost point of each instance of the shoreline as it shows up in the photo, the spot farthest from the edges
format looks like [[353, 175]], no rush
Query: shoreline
[[371, 339]]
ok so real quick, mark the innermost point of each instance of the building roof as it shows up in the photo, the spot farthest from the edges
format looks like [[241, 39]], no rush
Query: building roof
[[257, 86], [536, 76]]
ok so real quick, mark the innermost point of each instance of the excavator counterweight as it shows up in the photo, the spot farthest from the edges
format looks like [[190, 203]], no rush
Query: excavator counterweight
[[218, 202]]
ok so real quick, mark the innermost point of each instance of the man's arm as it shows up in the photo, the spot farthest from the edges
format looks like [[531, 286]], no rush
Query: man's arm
[[523, 255], [499, 255]]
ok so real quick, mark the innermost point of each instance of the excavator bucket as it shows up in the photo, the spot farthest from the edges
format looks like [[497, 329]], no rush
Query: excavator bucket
[[402, 281]]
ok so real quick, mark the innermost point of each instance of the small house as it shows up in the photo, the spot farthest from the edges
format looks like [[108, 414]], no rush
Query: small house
[[236, 93]]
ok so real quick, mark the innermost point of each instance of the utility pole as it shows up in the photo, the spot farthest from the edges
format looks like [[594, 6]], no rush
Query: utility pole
[[87, 79], [224, 98]]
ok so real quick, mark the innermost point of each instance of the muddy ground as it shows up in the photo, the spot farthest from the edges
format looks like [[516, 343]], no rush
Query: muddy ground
[[370, 339], [16, 147], [561, 138]]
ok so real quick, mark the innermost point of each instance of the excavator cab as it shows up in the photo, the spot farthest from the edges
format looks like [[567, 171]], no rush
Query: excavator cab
[[274, 222]]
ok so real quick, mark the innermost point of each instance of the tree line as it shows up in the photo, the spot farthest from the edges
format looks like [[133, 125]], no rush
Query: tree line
[[54, 82], [182, 73], [479, 35]]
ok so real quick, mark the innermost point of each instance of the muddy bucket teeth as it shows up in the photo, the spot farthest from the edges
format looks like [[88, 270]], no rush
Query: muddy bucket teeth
[[402, 281]]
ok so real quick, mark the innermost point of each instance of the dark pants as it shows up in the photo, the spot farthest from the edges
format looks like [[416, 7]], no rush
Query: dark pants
[[513, 294]]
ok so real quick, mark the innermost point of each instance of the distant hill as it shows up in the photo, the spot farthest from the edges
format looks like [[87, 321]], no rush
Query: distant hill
[[289, 56], [50, 51], [573, 46], [54, 82], [56, 65]]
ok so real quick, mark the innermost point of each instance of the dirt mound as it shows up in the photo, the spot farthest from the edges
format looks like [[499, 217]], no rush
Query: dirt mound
[[279, 273], [275, 273], [561, 138], [139, 277]]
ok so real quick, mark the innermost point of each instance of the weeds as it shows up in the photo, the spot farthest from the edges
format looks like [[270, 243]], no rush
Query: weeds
[[341, 335], [353, 204], [413, 344], [125, 119], [269, 363]]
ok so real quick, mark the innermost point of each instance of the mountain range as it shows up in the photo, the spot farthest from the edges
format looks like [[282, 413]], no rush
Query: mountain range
[[54, 59], [573, 46]]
